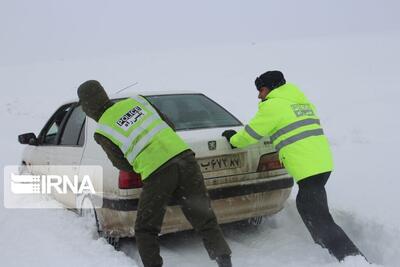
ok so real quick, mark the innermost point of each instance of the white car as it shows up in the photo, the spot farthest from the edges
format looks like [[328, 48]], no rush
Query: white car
[[242, 183]]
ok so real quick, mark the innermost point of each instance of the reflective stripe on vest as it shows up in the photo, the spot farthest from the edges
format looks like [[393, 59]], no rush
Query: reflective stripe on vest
[[144, 140], [144, 102], [252, 133], [127, 141], [108, 130], [292, 127], [298, 137]]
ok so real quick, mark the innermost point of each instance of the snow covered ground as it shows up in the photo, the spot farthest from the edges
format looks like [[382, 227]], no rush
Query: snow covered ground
[[352, 79]]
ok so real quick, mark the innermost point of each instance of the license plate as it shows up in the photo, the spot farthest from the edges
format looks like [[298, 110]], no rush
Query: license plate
[[220, 163]]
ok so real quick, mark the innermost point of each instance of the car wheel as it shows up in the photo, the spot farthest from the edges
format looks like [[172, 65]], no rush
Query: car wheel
[[255, 220], [89, 212], [113, 241]]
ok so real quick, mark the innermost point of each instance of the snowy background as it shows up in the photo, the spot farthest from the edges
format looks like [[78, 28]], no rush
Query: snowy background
[[343, 54]]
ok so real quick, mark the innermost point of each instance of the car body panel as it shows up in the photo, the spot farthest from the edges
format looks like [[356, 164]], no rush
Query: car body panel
[[215, 156]]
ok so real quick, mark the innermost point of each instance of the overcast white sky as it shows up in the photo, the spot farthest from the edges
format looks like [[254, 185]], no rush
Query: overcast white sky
[[47, 30]]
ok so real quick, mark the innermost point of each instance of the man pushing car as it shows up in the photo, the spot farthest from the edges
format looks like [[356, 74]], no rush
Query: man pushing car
[[290, 120], [136, 138]]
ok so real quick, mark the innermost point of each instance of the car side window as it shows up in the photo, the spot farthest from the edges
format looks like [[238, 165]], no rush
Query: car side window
[[74, 128], [52, 130]]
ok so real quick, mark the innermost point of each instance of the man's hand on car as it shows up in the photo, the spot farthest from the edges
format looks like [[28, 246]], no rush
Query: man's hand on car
[[228, 134]]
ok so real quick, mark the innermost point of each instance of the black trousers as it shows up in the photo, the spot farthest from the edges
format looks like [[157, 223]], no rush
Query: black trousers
[[312, 205], [182, 180]]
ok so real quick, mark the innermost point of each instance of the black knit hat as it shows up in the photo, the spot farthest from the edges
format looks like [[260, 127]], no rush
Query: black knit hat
[[93, 99], [271, 79]]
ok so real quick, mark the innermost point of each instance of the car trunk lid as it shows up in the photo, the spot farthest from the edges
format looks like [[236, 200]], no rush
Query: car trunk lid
[[217, 158]]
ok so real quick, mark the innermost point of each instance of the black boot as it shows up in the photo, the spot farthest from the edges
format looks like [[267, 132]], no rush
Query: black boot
[[224, 261]]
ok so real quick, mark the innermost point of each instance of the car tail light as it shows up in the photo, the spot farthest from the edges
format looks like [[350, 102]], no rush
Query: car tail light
[[269, 162], [129, 180]]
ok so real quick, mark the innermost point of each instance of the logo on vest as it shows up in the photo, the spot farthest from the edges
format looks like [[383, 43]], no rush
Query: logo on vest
[[302, 110], [131, 117]]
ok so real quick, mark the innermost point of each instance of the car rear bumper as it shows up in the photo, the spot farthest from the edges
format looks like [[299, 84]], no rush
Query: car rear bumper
[[131, 204], [231, 203]]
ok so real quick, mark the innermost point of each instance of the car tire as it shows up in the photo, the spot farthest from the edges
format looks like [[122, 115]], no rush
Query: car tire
[[113, 241], [87, 210], [255, 220]]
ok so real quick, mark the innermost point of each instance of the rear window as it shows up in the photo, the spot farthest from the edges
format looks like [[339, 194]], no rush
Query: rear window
[[193, 111]]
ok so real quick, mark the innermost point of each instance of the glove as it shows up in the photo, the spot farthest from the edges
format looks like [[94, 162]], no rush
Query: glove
[[228, 134]]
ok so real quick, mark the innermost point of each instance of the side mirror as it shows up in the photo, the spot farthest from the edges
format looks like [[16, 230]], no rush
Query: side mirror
[[28, 138]]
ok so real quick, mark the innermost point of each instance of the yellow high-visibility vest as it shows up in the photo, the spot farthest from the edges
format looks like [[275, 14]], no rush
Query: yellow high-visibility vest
[[291, 122], [146, 141]]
